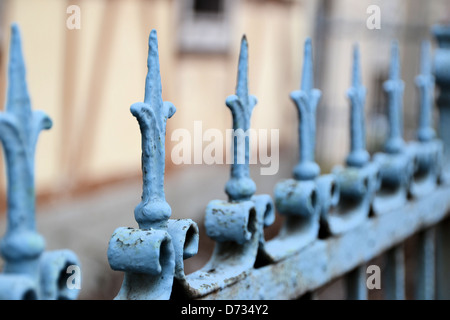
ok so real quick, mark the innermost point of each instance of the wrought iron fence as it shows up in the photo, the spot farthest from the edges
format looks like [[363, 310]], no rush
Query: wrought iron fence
[[334, 224]]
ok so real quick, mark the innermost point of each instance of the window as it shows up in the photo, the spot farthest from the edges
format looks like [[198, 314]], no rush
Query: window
[[208, 6], [204, 25]]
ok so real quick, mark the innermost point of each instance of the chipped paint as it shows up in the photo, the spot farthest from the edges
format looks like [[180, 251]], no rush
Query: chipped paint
[[152, 256]]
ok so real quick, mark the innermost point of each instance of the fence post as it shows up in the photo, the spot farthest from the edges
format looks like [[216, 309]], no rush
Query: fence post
[[395, 273], [428, 151], [152, 256], [397, 162], [356, 284], [29, 273], [237, 225], [443, 260], [426, 273], [307, 195], [359, 180]]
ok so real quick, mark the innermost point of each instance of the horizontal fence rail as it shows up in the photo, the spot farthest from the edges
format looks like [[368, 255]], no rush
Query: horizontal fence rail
[[325, 260], [334, 224]]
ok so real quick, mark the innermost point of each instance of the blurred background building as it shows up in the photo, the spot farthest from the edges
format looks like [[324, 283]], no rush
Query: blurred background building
[[88, 176]]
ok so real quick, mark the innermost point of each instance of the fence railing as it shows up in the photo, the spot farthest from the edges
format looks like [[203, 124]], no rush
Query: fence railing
[[334, 224]]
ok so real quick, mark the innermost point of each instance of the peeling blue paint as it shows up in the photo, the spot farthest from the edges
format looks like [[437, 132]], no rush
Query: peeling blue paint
[[326, 232], [152, 256]]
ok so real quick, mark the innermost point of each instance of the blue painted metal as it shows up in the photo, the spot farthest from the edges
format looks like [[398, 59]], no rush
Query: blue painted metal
[[358, 156], [296, 260], [327, 259], [394, 87], [306, 100], [29, 272], [305, 263], [356, 287], [397, 164], [359, 180], [302, 199], [237, 225], [441, 71], [425, 82], [152, 255], [429, 151], [426, 270], [240, 186], [394, 282]]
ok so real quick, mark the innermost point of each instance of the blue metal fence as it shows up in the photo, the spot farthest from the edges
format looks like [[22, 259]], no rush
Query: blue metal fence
[[29, 272], [334, 224]]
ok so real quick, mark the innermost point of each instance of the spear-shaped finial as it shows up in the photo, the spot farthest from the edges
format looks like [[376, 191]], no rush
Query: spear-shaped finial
[[308, 74], [18, 99], [306, 100], [394, 88], [152, 115], [358, 156], [241, 186], [425, 83], [19, 130]]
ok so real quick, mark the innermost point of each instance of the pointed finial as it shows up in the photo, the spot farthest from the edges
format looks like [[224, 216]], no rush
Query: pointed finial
[[19, 130], [241, 186], [307, 74], [28, 271], [394, 68], [394, 88], [356, 70], [152, 255], [18, 100], [358, 156], [152, 115], [153, 89], [242, 79], [306, 100], [425, 83]]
